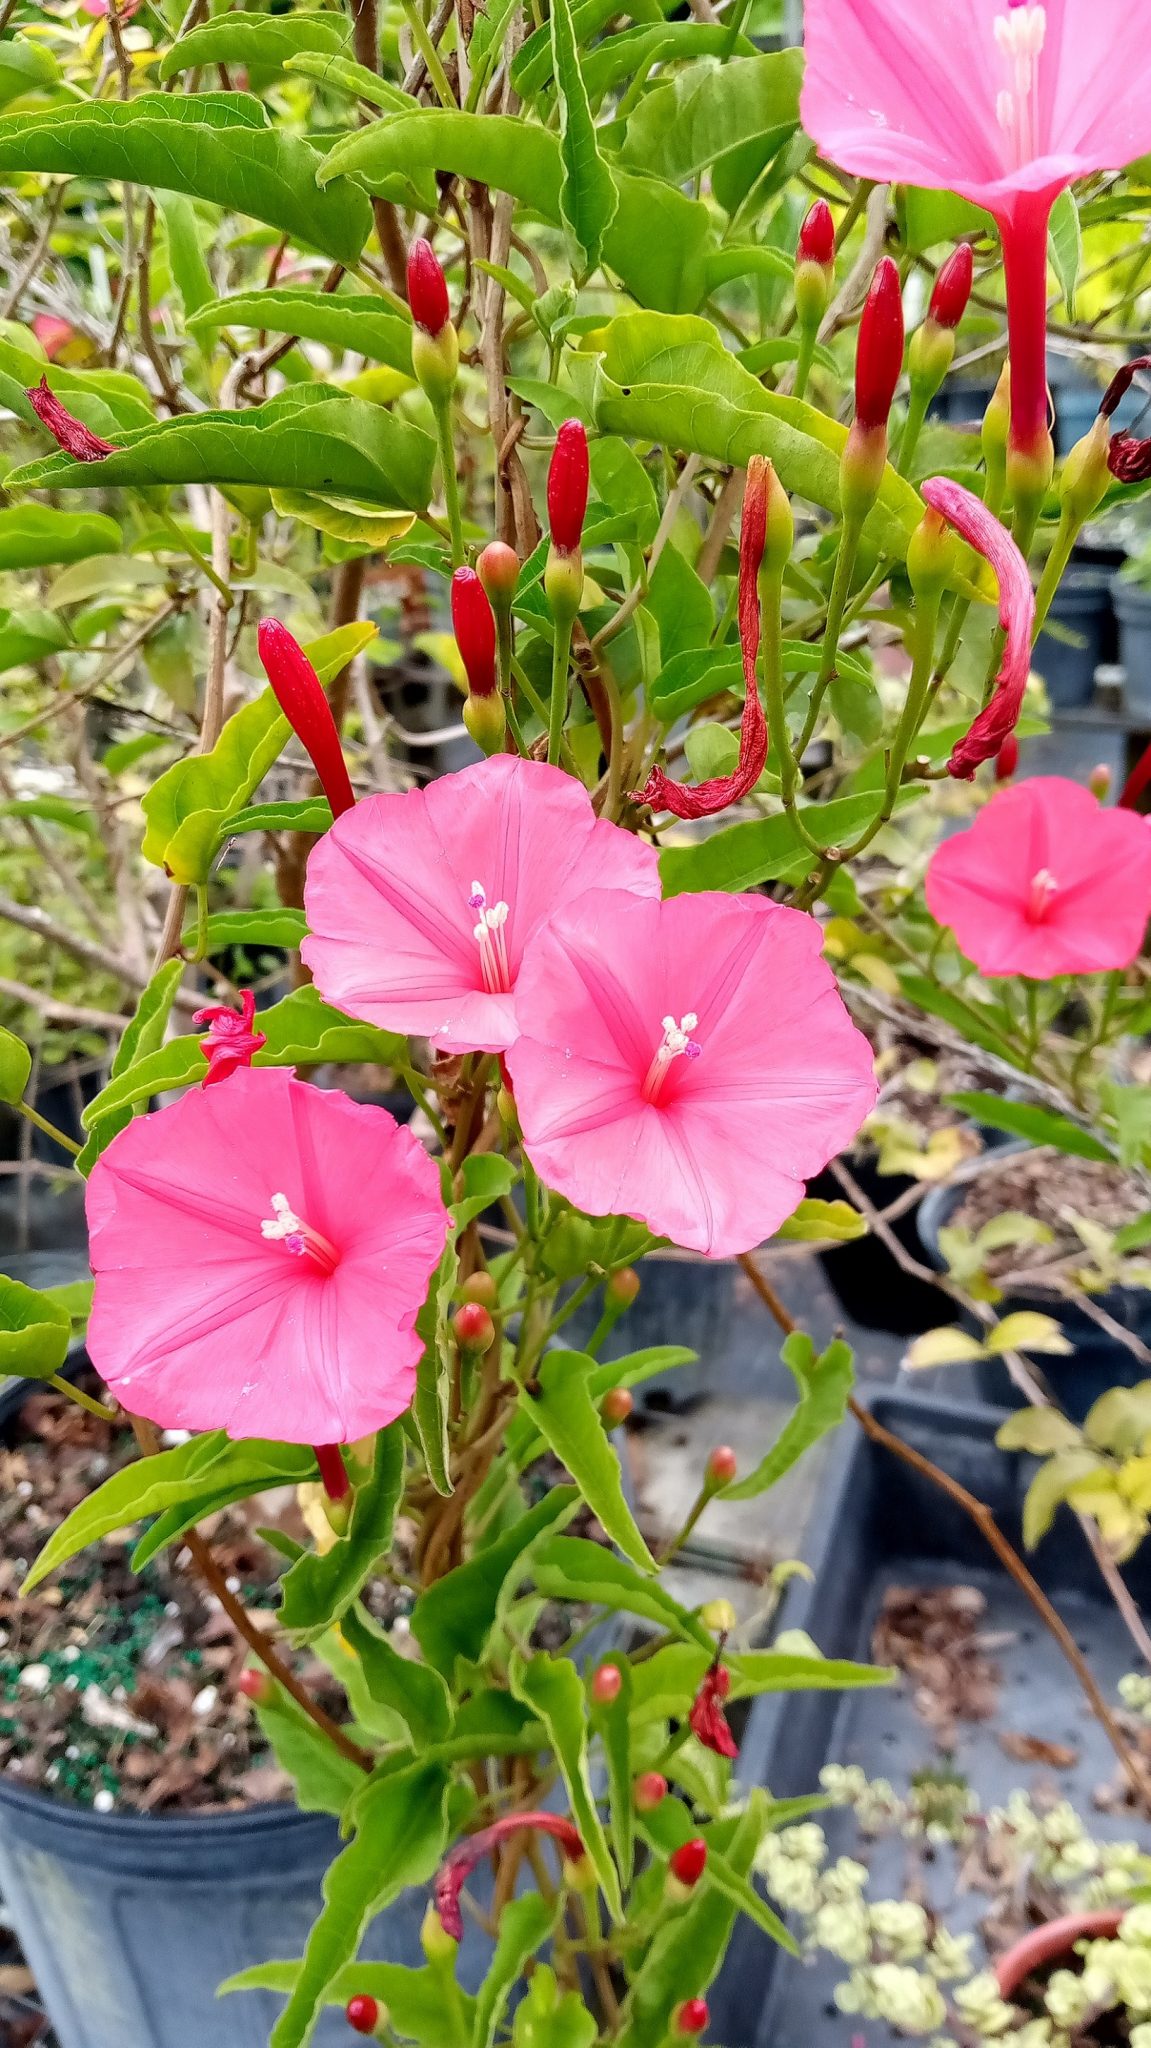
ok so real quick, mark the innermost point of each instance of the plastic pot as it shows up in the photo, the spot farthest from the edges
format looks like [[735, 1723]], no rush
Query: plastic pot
[[1082, 606], [1076, 407], [867, 1279], [682, 1300], [1054, 1942], [1133, 609]]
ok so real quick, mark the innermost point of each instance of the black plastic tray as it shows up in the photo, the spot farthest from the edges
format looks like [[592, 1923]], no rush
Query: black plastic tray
[[882, 1525]]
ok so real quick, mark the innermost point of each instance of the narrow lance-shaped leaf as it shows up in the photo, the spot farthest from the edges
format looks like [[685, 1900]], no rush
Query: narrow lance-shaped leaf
[[566, 1415], [588, 197], [554, 1691]]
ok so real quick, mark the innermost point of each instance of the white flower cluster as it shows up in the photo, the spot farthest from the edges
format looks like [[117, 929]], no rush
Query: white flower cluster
[[1135, 1692]]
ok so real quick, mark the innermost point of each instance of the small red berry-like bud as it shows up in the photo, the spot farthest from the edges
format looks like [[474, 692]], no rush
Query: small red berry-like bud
[[953, 288], [879, 356], [722, 1466], [650, 1791], [73, 436], [481, 1287], [1007, 759], [691, 2017], [616, 1406], [1099, 781], [689, 1862], [427, 288], [606, 1684], [475, 629], [622, 1288], [473, 1326], [362, 2013], [257, 1685], [498, 568], [298, 692], [817, 236], [52, 333], [568, 478]]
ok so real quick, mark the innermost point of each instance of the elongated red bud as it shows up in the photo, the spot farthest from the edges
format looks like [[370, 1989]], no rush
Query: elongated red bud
[[689, 1862], [72, 435], [691, 2017], [1007, 759], [499, 569], [300, 696], [953, 288], [817, 236], [879, 356], [427, 288], [362, 2013], [568, 487], [475, 629]]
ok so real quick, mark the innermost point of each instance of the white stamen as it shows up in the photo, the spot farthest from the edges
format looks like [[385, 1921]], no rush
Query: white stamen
[[488, 932], [1044, 889], [677, 1042], [296, 1236], [1020, 36]]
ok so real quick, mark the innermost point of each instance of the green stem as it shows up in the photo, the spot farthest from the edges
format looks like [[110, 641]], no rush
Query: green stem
[[451, 487], [804, 360], [50, 1131], [917, 406], [188, 547], [771, 656], [1069, 531], [836, 605], [910, 719], [82, 1400], [561, 649], [429, 53], [201, 921]]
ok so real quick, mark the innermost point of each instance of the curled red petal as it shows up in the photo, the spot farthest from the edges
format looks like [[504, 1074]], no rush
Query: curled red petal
[[707, 1720], [998, 719], [1129, 459], [1120, 384], [458, 1865], [704, 799], [231, 1042], [72, 435]]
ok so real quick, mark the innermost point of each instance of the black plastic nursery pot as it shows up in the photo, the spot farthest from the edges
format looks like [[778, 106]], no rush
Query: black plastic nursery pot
[[885, 1526], [1099, 1360], [1081, 608], [1133, 610], [866, 1278]]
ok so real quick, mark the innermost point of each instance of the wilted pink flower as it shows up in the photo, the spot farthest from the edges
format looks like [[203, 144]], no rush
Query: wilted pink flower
[[261, 1252], [73, 436], [231, 1041], [707, 1720], [98, 9], [458, 1865], [52, 333], [420, 905], [1045, 882], [687, 1063], [1006, 104], [997, 721]]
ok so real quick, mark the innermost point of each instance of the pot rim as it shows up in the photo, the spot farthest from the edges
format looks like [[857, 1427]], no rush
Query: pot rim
[[1046, 1943]]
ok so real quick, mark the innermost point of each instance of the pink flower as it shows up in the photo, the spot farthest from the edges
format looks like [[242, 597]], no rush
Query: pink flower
[[1007, 104], [72, 435], [997, 721], [231, 1041], [1045, 882], [460, 1862], [421, 905], [260, 1254], [686, 1063], [52, 332], [707, 1720]]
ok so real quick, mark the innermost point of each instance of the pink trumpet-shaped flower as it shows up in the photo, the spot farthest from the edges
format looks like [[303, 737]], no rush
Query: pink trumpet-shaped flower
[[261, 1252], [231, 1042], [421, 905], [1007, 104], [687, 1063], [1045, 882], [997, 721]]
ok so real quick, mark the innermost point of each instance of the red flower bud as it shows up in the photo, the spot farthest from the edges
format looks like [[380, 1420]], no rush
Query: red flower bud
[[499, 568], [257, 1685], [817, 236], [953, 288], [879, 356], [721, 1466], [1007, 759], [622, 1288], [362, 2013], [568, 487], [616, 1406], [231, 1041], [427, 288], [301, 699], [650, 1791], [606, 1685], [73, 436], [333, 1473], [473, 1326], [1099, 781], [689, 1862], [691, 2017], [475, 629]]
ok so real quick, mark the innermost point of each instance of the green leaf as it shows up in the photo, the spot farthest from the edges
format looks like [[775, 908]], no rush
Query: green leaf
[[15, 1066], [401, 1831], [301, 1031], [567, 1417], [696, 674], [545, 2020], [25, 66], [401, 1684], [930, 218], [264, 40], [816, 1222], [153, 1485], [666, 378], [1065, 239], [1027, 1330], [825, 1385], [981, 1025], [31, 536], [525, 1925], [631, 51], [554, 1690], [215, 146], [414, 1998], [189, 809], [1038, 1430], [310, 438], [588, 198], [274, 926], [363, 325], [311, 814], [1131, 1108], [612, 1723], [574, 1568], [485, 1176], [1050, 1487], [144, 1035], [1028, 1120], [318, 1588], [324, 1780], [430, 1404], [56, 810], [946, 1346], [740, 857], [27, 636], [656, 243], [685, 124], [455, 1616], [35, 1331], [190, 273]]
